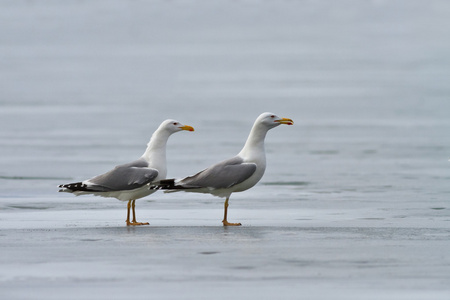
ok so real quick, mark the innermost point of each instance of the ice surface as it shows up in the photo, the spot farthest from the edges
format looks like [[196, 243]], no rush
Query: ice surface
[[186, 253], [81, 250], [354, 202]]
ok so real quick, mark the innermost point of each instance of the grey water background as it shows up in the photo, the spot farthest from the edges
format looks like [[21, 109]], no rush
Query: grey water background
[[354, 202]]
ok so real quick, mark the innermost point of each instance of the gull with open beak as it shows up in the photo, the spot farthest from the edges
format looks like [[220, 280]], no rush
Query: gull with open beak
[[236, 174], [130, 181]]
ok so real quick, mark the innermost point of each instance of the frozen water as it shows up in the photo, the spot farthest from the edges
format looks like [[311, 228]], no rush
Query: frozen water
[[355, 200]]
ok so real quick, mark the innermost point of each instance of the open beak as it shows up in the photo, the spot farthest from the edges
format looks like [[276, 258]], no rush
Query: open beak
[[285, 121], [187, 127]]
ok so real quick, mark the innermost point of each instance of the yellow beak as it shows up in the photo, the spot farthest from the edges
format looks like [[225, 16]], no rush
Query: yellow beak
[[285, 121], [187, 127]]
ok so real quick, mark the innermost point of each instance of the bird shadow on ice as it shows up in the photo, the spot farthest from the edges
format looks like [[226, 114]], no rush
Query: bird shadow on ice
[[168, 234]]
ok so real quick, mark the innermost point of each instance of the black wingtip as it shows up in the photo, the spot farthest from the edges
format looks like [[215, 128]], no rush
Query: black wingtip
[[169, 184], [166, 184], [73, 187]]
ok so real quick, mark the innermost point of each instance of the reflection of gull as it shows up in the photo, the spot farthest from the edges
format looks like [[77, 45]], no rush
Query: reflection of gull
[[128, 182], [236, 174]]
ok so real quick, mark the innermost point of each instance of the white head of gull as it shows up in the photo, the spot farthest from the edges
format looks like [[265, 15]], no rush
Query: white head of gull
[[236, 174], [128, 182]]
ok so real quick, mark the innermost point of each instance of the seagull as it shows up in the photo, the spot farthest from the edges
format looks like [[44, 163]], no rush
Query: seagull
[[236, 174], [128, 182]]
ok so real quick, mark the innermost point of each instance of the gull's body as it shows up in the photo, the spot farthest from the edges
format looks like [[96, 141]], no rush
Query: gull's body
[[128, 182], [236, 174]]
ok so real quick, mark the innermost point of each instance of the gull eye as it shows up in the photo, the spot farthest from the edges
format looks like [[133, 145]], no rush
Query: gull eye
[[272, 116], [175, 123]]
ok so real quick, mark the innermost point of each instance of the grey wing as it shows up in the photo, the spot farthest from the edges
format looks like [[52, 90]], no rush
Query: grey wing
[[221, 175], [123, 177]]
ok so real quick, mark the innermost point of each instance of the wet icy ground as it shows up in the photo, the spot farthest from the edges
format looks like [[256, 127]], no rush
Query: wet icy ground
[[79, 253]]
